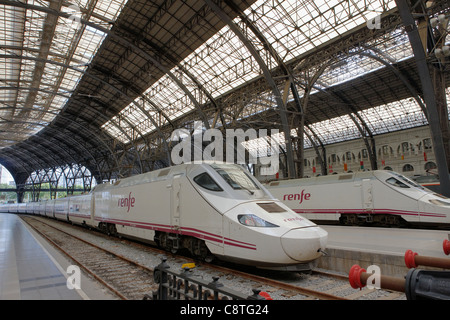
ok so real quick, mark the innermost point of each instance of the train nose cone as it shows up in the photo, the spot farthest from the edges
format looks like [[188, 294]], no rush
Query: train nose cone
[[304, 244]]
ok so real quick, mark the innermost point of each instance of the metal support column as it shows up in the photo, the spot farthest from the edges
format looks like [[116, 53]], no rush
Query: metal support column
[[428, 93]]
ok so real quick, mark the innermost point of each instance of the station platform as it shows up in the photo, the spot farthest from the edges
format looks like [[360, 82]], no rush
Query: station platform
[[384, 247], [31, 269]]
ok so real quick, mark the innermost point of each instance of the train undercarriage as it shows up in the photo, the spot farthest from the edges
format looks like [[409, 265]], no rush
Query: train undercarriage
[[174, 242], [383, 220], [170, 242]]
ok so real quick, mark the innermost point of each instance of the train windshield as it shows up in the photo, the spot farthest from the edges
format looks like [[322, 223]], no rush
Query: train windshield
[[204, 180], [403, 182], [237, 178], [397, 183]]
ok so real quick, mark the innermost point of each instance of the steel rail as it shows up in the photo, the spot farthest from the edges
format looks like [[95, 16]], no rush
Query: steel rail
[[233, 271], [88, 270]]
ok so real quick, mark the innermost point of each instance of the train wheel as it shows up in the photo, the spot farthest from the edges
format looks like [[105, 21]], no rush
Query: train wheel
[[348, 219], [102, 227], [199, 249], [108, 228], [393, 221], [112, 229], [167, 242], [389, 220], [162, 240]]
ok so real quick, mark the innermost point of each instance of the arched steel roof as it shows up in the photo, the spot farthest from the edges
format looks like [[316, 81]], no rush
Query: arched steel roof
[[104, 83]]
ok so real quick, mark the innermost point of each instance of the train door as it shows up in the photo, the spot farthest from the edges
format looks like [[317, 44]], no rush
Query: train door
[[175, 207], [367, 196], [92, 209]]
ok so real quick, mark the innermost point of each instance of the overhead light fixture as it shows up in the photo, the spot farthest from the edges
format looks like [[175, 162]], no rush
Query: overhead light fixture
[[434, 22], [439, 53], [441, 20]]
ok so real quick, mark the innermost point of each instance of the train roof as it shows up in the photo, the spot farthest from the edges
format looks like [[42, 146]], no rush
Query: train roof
[[333, 178], [152, 176]]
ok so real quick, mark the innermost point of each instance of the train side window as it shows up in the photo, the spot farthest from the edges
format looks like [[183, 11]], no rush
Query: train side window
[[397, 183], [204, 180]]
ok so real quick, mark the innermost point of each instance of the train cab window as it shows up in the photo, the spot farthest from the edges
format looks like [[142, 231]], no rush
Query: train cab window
[[397, 183], [235, 177], [204, 180], [408, 182]]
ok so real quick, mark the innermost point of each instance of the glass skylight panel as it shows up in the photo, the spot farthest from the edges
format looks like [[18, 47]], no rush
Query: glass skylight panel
[[403, 114], [292, 27], [220, 64], [114, 131], [394, 48], [349, 68], [166, 95], [447, 92], [229, 63], [169, 97], [11, 29], [336, 130], [386, 118], [45, 87], [109, 10], [302, 25]]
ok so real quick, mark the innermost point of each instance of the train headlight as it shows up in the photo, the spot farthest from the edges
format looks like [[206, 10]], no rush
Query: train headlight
[[250, 220]]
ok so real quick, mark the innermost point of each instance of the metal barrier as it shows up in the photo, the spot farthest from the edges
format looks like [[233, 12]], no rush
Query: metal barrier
[[183, 286], [417, 284]]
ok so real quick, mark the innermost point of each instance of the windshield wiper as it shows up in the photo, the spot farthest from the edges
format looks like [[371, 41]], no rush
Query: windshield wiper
[[250, 191], [232, 182]]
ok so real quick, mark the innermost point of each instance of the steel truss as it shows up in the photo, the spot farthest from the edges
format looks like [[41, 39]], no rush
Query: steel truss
[[59, 179], [278, 64]]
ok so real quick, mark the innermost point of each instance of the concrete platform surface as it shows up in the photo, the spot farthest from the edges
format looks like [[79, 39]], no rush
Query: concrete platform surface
[[31, 269], [383, 247], [387, 240]]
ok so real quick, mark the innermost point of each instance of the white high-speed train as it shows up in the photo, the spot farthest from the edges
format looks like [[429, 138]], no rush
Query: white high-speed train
[[210, 209], [379, 197]]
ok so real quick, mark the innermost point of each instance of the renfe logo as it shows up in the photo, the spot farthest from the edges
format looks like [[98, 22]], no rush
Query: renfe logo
[[126, 202], [302, 196]]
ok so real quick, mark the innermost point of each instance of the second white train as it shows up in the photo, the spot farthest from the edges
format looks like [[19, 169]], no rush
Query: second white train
[[377, 197]]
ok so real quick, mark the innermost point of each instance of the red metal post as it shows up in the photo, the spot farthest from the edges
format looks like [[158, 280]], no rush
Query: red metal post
[[412, 260]]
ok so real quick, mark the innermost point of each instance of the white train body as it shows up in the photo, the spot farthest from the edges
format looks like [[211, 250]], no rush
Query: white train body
[[79, 209], [50, 208], [380, 196], [209, 209]]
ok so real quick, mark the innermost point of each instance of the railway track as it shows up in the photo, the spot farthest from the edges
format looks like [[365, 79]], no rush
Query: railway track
[[125, 278], [319, 285], [125, 269]]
